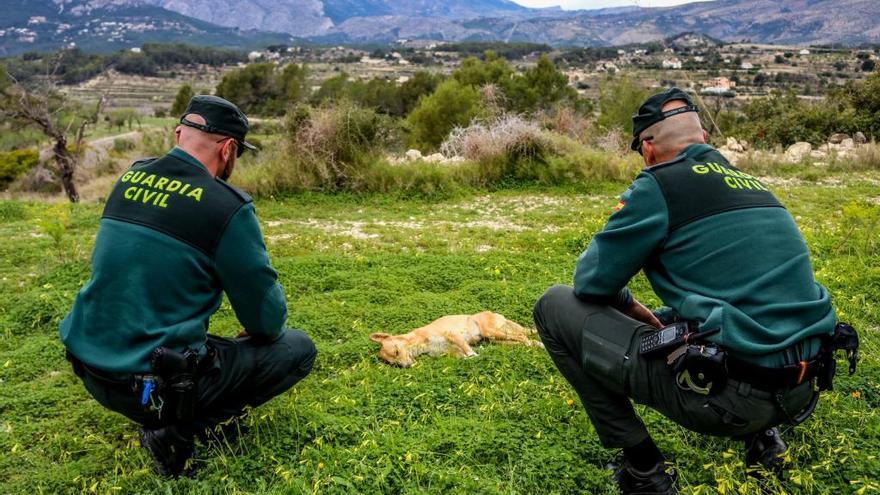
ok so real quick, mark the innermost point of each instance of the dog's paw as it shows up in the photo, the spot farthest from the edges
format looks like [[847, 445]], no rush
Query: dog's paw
[[535, 343], [471, 354]]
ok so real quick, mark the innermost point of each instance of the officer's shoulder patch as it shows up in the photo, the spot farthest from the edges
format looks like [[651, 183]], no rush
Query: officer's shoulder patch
[[243, 196]]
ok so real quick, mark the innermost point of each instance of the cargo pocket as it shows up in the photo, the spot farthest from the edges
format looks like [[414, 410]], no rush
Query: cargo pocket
[[739, 414], [605, 347]]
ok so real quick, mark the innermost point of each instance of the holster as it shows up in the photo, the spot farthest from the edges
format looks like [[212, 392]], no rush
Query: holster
[[178, 386], [846, 339], [702, 369]]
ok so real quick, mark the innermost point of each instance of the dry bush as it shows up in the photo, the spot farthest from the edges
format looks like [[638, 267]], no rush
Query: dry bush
[[329, 148], [615, 140], [567, 122], [508, 136]]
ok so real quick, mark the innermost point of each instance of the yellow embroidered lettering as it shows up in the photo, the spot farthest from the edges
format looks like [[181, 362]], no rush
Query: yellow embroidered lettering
[[731, 182], [149, 180], [195, 194]]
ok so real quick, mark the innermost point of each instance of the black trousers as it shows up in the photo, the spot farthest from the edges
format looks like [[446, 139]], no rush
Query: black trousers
[[245, 372], [596, 349]]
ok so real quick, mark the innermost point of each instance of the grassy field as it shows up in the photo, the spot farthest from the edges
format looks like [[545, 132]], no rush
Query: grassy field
[[503, 422]]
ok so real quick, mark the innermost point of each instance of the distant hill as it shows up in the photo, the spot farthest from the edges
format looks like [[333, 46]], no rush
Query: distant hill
[[316, 17], [794, 22], [107, 25], [45, 25]]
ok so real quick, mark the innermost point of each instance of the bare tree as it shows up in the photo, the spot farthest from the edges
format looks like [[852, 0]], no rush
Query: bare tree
[[41, 105]]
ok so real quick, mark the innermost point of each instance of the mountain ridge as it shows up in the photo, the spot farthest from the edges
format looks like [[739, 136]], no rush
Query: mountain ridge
[[29, 25], [250, 23]]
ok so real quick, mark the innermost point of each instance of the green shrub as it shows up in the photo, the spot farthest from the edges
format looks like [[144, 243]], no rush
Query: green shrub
[[264, 89], [619, 99], [121, 145], [452, 104], [536, 88], [784, 119], [157, 142], [181, 100], [15, 163]]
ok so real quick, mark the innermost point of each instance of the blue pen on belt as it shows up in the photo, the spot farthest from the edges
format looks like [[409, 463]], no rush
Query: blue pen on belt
[[149, 385]]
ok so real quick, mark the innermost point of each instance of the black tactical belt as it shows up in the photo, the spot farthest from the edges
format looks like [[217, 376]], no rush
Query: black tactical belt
[[128, 380], [772, 379]]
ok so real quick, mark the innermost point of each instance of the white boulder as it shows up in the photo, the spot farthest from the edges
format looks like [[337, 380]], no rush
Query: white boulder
[[798, 151]]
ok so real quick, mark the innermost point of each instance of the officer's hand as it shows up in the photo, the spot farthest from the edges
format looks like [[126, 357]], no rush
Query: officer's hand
[[242, 334], [639, 312]]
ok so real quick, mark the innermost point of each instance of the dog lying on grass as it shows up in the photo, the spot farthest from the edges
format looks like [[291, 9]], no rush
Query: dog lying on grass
[[451, 335]]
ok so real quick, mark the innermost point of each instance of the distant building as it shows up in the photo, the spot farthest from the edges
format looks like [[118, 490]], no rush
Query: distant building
[[252, 56], [671, 63], [135, 49], [605, 66], [746, 66], [804, 52], [718, 86]]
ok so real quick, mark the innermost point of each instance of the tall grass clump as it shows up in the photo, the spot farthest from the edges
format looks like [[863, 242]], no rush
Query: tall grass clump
[[513, 149], [325, 149]]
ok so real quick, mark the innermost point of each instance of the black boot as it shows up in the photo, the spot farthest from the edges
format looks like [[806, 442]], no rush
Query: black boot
[[169, 450], [765, 448], [659, 480]]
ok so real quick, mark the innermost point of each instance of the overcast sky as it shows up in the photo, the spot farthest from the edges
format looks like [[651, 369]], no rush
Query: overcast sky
[[598, 4]]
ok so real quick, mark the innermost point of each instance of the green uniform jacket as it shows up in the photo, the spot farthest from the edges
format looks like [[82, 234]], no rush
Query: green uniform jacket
[[172, 240], [718, 249]]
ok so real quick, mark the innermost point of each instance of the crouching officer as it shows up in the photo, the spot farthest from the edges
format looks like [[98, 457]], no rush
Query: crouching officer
[[173, 238], [728, 261]]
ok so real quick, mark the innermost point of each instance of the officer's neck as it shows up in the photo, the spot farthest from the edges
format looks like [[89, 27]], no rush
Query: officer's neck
[[658, 159], [210, 160]]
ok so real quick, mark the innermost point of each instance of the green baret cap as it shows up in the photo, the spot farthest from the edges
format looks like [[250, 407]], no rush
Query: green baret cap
[[651, 112], [221, 117]]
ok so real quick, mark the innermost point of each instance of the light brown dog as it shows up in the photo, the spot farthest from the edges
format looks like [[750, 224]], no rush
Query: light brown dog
[[451, 335]]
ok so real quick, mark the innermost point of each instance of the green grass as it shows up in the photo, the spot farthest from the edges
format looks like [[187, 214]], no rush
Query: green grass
[[504, 422]]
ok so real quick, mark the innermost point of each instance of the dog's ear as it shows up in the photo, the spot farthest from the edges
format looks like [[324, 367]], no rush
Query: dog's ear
[[379, 337]]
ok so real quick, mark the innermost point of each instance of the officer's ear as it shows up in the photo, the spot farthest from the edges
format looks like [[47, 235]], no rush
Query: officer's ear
[[649, 152], [226, 150]]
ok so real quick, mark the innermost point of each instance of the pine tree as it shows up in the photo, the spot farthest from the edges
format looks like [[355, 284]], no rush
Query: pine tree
[[184, 94]]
